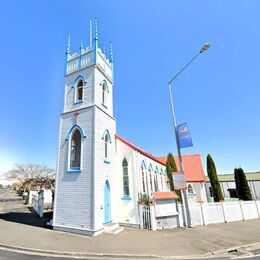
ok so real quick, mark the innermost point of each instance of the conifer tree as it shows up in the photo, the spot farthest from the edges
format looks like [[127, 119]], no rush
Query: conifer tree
[[170, 168], [243, 190], [215, 186]]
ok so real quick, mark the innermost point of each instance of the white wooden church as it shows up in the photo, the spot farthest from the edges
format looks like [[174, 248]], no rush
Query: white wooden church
[[100, 175]]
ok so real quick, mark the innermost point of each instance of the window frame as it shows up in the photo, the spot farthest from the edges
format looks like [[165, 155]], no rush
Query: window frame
[[104, 93], [76, 99], [125, 169], [156, 185], [150, 179], [69, 168], [190, 189], [143, 178], [107, 146]]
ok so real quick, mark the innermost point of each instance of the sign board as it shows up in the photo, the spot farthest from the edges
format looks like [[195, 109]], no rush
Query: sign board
[[184, 136], [179, 180], [165, 208]]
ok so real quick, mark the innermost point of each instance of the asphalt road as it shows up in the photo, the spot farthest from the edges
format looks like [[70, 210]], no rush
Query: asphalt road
[[3, 192], [7, 255]]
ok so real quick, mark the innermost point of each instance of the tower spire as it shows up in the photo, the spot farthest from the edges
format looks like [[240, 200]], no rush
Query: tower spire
[[67, 55], [90, 33], [95, 40], [111, 52], [112, 60], [96, 30], [81, 47], [68, 46]]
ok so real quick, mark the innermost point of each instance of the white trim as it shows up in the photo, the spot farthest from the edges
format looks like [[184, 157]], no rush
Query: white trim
[[69, 169], [57, 176], [78, 230]]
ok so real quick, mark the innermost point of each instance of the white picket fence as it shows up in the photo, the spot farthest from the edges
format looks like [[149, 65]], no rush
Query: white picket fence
[[38, 204], [201, 214], [221, 212], [38, 200]]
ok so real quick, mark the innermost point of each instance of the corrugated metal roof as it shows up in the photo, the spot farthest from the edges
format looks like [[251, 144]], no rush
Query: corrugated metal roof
[[251, 176]]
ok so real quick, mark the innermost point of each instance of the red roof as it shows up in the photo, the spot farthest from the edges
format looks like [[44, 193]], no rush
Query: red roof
[[193, 169], [139, 150], [164, 195], [192, 165]]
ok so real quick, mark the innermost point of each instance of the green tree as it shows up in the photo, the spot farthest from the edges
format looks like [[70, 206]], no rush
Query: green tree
[[243, 190], [213, 176], [170, 168]]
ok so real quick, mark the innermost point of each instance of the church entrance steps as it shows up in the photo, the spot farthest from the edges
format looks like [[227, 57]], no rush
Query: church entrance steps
[[112, 228]]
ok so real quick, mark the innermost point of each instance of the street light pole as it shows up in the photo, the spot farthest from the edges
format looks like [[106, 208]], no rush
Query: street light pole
[[184, 192]]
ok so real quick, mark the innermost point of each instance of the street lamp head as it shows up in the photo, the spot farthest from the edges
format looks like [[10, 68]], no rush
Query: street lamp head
[[205, 47]]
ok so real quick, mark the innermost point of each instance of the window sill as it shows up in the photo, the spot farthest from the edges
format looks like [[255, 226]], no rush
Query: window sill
[[126, 198], [74, 170], [107, 161], [78, 102], [103, 105], [192, 194]]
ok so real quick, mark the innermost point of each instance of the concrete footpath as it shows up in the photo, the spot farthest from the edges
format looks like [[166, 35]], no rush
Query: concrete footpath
[[190, 242], [185, 243]]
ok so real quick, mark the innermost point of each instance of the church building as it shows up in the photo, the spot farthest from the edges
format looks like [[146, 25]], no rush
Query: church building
[[100, 175]]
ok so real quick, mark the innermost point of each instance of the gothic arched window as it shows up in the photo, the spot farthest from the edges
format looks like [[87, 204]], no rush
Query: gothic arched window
[[156, 180], [79, 90], [75, 150], [106, 145], [125, 178], [143, 178], [104, 89], [162, 180], [190, 189], [151, 179]]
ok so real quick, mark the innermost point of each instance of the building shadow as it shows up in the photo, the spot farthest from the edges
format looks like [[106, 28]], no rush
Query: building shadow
[[28, 218]]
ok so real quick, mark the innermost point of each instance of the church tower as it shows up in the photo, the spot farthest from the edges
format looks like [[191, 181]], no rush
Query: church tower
[[86, 152]]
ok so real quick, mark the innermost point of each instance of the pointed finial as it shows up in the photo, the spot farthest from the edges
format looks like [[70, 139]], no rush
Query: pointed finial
[[68, 47], [96, 29], [90, 33], [104, 50], [111, 52], [81, 47]]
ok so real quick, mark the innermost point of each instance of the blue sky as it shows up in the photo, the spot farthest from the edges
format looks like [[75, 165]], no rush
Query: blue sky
[[218, 95]]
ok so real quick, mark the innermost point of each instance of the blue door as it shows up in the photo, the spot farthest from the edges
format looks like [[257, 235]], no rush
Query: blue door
[[107, 208]]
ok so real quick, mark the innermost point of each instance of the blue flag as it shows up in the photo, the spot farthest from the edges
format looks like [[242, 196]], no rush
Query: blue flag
[[184, 136]]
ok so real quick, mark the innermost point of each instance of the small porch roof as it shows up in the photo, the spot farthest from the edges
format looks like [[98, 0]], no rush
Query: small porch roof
[[164, 195]]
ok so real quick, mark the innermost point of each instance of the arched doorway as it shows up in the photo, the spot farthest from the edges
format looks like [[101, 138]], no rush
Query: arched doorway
[[107, 206]]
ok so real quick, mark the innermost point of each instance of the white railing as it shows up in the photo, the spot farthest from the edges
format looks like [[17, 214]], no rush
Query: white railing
[[147, 217]]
